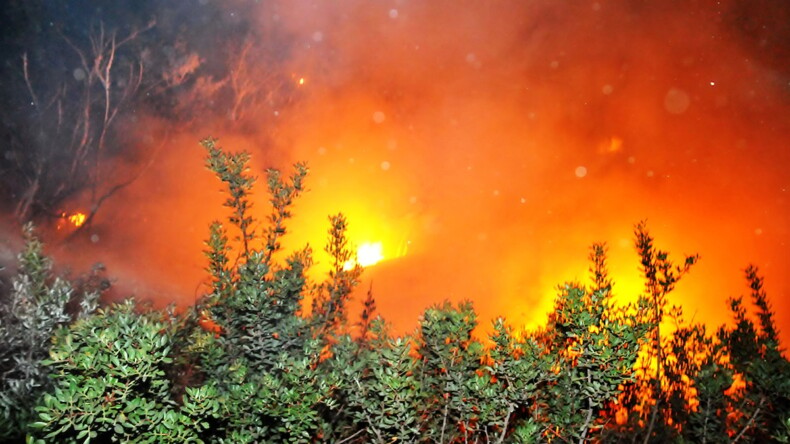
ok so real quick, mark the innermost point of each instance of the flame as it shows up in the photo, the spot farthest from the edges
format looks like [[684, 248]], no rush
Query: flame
[[738, 385], [207, 323], [368, 253], [76, 219]]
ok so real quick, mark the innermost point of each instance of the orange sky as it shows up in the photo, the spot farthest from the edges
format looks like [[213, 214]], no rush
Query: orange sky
[[488, 144]]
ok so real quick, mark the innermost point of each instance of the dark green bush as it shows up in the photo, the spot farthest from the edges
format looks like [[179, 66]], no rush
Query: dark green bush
[[111, 385]]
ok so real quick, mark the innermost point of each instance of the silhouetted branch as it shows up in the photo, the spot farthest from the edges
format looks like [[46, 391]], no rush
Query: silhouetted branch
[[749, 422]]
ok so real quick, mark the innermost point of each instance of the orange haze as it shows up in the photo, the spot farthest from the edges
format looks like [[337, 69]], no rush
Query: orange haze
[[486, 145]]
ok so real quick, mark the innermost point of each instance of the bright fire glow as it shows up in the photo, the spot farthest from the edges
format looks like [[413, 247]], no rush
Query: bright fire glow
[[77, 219], [369, 253]]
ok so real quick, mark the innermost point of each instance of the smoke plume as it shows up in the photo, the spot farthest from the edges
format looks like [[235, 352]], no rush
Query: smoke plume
[[485, 145]]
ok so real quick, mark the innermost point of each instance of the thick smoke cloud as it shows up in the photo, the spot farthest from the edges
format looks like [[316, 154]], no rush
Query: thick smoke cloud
[[487, 145], [515, 134]]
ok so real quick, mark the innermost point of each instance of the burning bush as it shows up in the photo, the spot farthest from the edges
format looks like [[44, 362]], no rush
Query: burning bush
[[249, 364]]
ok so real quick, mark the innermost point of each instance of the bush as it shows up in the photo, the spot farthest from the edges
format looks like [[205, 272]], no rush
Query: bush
[[37, 305], [110, 383], [248, 364]]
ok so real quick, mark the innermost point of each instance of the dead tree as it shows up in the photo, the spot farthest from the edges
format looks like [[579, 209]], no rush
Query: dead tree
[[65, 150], [252, 82]]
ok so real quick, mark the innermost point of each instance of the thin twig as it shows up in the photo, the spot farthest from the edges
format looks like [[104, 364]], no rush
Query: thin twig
[[370, 421], [504, 427], [749, 422], [28, 83], [444, 423], [659, 316], [351, 437]]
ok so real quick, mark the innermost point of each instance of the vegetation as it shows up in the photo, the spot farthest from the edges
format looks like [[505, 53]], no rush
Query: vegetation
[[251, 363], [37, 305]]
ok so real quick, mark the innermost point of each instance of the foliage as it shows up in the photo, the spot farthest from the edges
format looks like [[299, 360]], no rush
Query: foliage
[[754, 352], [382, 390], [648, 396], [250, 364], [111, 385], [592, 345], [459, 396], [331, 298], [37, 305], [263, 356]]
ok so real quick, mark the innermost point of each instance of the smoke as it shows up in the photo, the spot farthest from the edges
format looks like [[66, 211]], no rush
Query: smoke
[[504, 138], [487, 145]]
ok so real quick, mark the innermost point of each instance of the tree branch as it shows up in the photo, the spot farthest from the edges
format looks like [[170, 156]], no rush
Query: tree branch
[[504, 427], [358, 432], [444, 423], [750, 421], [28, 83]]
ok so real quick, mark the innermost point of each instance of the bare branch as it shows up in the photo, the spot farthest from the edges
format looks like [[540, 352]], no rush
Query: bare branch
[[504, 427], [749, 422], [80, 53], [114, 189], [136, 32], [27, 82], [357, 433]]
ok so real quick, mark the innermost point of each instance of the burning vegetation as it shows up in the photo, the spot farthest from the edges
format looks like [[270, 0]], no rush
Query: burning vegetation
[[466, 152], [248, 363], [499, 133], [71, 220]]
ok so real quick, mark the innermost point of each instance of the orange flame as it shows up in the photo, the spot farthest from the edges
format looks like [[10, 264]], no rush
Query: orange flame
[[77, 219]]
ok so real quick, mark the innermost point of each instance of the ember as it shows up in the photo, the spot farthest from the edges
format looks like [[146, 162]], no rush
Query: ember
[[71, 220]]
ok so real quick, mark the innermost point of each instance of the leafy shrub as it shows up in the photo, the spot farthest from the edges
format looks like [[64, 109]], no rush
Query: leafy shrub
[[381, 386], [37, 305], [111, 385], [264, 358]]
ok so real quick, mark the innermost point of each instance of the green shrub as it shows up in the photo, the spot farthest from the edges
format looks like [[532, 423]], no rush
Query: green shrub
[[110, 383], [380, 386], [264, 358], [37, 305]]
